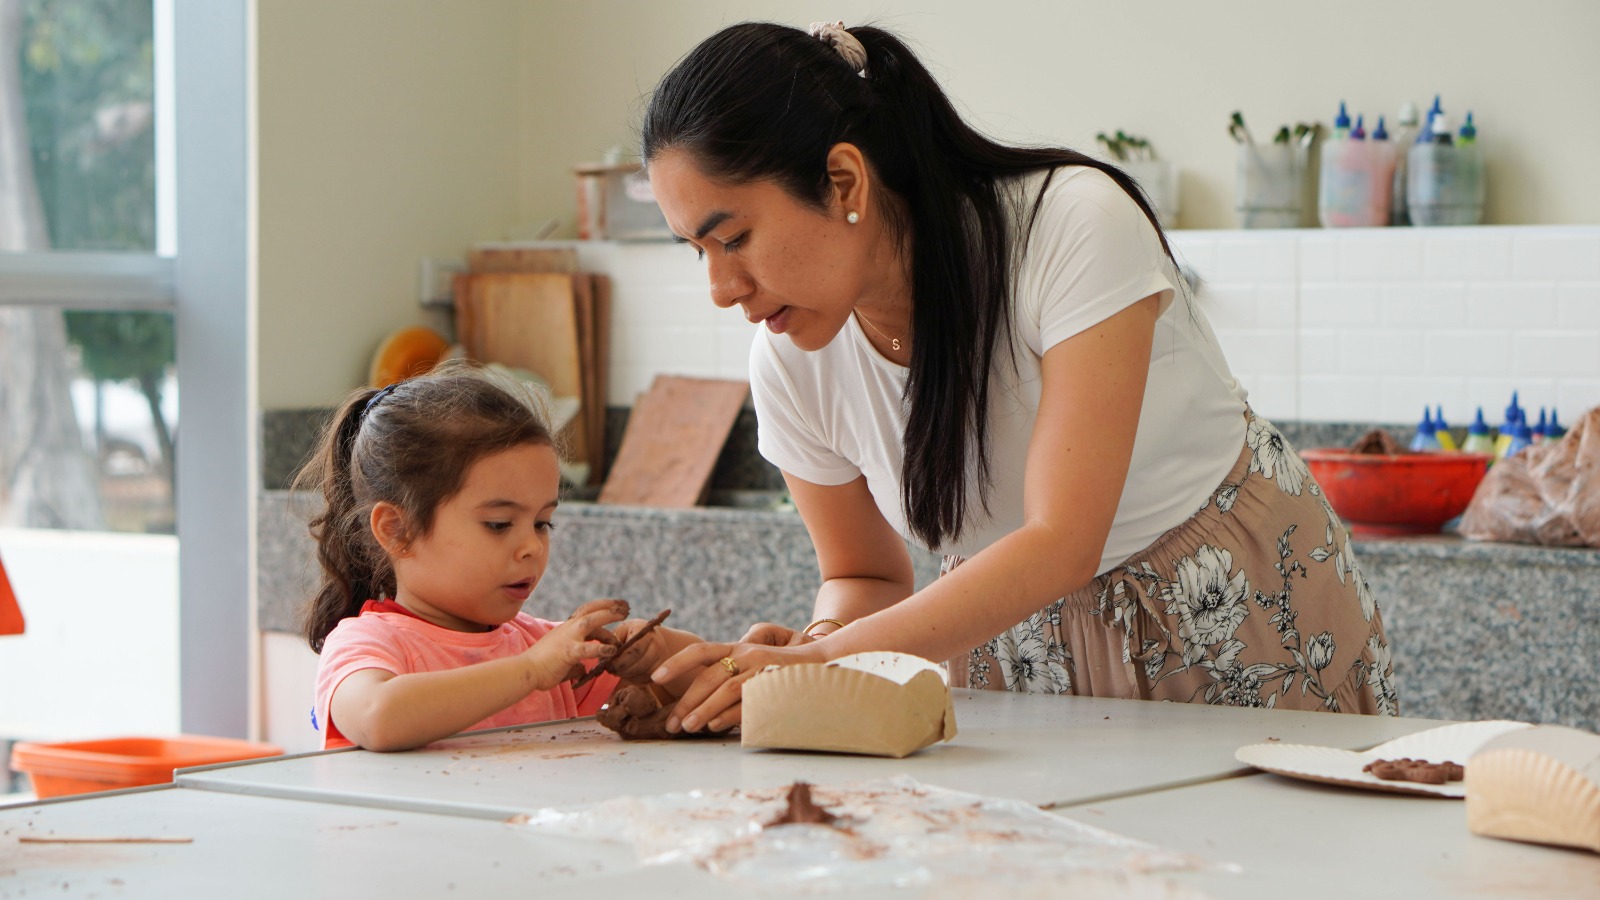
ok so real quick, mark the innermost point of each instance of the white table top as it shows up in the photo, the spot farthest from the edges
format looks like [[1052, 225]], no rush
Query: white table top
[[1042, 749], [1298, 839], [245, 847], [429, 823]]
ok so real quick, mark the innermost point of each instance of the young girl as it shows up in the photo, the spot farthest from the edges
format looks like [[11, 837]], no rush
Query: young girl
[[439, 493]]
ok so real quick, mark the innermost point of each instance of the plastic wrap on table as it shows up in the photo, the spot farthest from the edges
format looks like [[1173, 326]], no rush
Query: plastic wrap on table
[[888, 833], [1547, 494]]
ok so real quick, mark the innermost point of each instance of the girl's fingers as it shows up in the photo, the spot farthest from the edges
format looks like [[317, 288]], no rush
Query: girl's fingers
[[604, 608], [588, 621]]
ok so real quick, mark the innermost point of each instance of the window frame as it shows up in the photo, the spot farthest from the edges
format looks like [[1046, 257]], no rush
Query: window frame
[[208, 286]]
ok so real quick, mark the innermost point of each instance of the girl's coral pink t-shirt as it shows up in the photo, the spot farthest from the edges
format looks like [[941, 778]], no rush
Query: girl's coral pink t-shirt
[[401, 643]]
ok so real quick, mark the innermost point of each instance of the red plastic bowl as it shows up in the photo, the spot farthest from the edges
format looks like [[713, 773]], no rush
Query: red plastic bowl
[[1382, 495]]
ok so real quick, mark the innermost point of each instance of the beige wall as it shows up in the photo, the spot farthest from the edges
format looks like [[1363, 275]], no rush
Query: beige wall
[[1170, 70], [390, 131]]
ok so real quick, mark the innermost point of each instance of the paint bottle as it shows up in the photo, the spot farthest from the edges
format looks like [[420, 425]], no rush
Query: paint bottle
[[1405, 131], [1521, 438], [1441, 429], [1513, 415], [1479, 440], [1427, 436], [1555, 431]]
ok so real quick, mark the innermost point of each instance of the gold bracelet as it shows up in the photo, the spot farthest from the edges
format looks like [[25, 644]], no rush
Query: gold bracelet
[[807, 630]]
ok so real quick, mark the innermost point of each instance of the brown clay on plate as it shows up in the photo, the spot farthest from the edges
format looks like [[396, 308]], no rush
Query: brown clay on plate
[[1418, 770]]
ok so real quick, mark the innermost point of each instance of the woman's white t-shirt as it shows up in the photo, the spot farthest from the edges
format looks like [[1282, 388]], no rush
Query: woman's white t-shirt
[[835, 414]]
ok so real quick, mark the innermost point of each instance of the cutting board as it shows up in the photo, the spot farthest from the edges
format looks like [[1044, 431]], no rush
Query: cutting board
[[673, 437], [523, 259], [528, 320]]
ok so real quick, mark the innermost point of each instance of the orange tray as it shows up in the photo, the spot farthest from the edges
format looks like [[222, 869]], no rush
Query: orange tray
[[79, 767]]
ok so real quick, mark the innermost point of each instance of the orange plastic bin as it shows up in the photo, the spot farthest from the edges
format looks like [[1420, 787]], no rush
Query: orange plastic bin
[[79, 767]]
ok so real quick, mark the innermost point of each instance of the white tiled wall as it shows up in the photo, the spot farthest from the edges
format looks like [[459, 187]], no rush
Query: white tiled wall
[[1373, 324], [1321, 325]]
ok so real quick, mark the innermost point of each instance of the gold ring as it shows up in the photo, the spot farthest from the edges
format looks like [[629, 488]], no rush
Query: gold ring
[[730, 665]]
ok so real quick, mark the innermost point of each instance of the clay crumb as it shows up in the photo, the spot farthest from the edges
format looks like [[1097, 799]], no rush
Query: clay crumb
[[801, 810]]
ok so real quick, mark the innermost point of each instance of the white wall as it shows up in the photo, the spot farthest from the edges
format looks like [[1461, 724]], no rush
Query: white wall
[[1170, 70], [388, 132]]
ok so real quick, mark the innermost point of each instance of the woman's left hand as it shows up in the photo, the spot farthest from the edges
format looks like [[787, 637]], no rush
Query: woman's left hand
[[713, 700]]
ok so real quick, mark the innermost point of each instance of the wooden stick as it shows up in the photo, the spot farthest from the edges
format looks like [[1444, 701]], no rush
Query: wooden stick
[[84, 839], [605, 664]]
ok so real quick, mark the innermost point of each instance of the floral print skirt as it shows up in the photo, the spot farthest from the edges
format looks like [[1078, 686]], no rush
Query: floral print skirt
[[1256, 600]]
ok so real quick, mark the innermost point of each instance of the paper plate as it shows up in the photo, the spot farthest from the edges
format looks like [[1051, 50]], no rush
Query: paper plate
[[1330, 765]]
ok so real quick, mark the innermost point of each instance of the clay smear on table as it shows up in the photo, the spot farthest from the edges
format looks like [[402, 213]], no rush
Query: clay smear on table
[[802, 810]]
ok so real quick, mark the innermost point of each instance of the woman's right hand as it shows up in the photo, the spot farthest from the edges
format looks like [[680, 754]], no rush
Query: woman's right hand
[[771, 635]]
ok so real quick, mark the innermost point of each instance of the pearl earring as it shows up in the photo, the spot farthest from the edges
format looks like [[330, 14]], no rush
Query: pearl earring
[[852, 217]]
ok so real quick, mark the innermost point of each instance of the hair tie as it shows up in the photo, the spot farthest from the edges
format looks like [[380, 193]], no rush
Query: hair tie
[[373, 400], [843, 42]]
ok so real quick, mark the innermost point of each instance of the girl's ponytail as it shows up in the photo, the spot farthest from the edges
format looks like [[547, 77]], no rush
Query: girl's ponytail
[[345, 549]]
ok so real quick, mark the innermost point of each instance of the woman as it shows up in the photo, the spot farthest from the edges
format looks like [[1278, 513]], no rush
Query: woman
[[988, 350]]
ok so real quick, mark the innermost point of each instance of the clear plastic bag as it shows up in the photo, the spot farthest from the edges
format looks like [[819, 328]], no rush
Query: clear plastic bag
[[1547, 494], [890, 833]]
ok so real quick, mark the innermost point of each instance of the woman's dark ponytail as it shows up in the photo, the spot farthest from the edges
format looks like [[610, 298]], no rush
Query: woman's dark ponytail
[[948, 202]]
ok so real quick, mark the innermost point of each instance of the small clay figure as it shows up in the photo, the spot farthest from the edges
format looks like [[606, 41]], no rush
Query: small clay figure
[[802, 811], [1377, 441]]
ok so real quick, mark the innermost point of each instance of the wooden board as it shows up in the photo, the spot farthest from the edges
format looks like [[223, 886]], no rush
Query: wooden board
[[523, 259], [602, 369], [527, 320], [674, 435]]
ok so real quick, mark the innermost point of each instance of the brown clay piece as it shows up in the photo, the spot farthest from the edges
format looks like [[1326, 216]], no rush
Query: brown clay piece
[[1417, 770], [802, 811]]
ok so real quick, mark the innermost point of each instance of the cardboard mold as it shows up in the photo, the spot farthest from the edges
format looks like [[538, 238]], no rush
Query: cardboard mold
[[1539, 784], [877, 704]]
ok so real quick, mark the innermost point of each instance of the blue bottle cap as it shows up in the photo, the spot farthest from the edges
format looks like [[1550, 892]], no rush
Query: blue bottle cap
[[1543, 428], [1426, 426], [1438, 418], [1425, 134], [1360, 132], [1379, 134], [1513, 412], [1469, 130], [1555, 428], [1343, 119], [1478, 426]]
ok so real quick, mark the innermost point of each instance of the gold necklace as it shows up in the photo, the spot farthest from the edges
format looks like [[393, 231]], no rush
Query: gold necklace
[[893, 342]]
